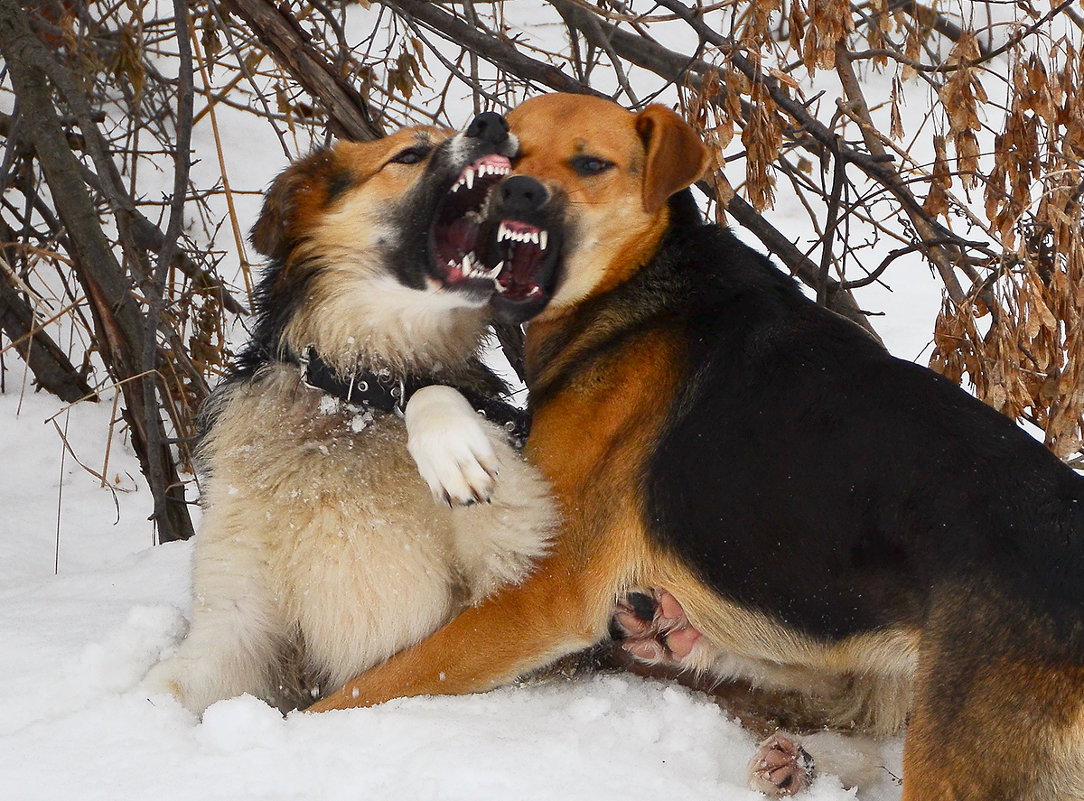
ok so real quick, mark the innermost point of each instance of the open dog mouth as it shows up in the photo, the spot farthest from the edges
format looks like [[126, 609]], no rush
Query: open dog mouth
[[458, 239], [525, 258], [521, 249]]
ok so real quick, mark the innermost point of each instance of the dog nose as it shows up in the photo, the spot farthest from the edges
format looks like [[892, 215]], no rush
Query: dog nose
[[521, 194], [489, 126]]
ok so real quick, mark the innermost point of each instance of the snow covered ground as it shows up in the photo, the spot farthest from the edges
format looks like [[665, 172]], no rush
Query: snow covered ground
[[74, 643]]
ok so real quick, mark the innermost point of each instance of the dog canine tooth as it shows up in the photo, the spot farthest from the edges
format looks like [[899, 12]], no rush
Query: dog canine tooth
[[543, 239], [469, 177]]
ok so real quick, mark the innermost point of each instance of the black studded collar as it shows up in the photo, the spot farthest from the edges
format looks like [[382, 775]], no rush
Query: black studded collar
[[384, 392]]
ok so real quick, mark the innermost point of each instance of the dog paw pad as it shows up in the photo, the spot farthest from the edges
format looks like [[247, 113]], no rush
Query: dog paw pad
[[653, 627], [781, 767]]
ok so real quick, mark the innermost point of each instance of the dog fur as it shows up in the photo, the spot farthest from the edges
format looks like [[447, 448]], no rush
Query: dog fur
[[832, 520], [321, 551]]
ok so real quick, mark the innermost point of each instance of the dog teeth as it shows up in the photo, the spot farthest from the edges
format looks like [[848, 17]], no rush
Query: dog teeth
[[470, 267], [537, 237], [493, 273], [481, 171]]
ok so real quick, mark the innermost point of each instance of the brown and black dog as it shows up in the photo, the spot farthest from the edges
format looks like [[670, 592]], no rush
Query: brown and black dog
[[808, 512]]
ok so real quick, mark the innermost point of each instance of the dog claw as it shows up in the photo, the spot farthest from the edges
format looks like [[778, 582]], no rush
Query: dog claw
[[450, 446]]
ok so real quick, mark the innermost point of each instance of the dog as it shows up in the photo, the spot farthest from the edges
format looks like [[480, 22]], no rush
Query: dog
[[762, 490], [321, 551]]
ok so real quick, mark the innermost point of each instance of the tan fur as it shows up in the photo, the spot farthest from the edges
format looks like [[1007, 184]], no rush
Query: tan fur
[[321, 548], [617, 215], [863, 682]]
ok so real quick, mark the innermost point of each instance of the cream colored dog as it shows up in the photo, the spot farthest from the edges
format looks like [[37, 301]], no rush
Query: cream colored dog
[[321, 552]]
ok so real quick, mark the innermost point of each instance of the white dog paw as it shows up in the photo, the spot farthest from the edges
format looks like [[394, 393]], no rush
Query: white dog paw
[[165, 678], [448, 442]]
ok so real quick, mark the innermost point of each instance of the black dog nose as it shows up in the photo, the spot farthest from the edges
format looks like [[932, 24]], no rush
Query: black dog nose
[[522, 195], [489, 126]]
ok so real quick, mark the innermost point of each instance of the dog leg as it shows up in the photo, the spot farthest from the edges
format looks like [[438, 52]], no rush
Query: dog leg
[[446, 438], [653, 628], [514, 631], [231, 644], [998, 710], [498, 543]]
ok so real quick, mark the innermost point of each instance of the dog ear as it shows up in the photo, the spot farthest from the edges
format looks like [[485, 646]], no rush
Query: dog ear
[[291, 195], [676, 156], [271, 233]]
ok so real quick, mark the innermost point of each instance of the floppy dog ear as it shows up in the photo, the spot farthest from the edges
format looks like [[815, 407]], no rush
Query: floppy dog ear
[[298, 190], [676, 156], [270, 235]]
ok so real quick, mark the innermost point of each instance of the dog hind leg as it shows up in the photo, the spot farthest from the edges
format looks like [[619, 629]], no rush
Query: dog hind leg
[[997, 713]]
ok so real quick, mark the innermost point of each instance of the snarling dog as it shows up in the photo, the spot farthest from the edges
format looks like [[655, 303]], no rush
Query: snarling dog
[[807, 511], [321, 551]]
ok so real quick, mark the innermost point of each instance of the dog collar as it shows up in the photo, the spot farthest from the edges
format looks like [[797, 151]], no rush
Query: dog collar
[[372, 390], [380, 391]]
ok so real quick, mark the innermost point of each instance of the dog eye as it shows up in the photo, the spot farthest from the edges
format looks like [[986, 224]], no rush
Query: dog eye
[[590, 165], [412, 155]]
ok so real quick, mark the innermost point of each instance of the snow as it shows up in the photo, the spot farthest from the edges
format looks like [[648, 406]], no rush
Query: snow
[[87, 605], [76, 643]]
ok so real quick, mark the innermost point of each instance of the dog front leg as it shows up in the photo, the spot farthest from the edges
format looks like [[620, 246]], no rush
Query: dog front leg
[[448, 442], [513, 632]]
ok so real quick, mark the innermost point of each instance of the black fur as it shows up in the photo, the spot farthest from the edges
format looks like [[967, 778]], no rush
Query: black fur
[[814, 477]]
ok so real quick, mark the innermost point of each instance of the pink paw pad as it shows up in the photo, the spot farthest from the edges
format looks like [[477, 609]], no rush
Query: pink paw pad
[[781, 767], [653, 627]]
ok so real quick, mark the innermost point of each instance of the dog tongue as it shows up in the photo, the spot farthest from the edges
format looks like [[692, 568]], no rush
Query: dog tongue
[[461, 235], [517, 278]]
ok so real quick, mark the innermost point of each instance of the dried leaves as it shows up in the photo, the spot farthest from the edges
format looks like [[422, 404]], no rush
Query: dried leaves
[[994, 161], [1029, 360], [1016, 332]]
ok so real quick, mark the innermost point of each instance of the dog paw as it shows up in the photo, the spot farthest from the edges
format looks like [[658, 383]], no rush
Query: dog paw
[[653, 628], [164, 679], [780, 767], [448, 442]]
